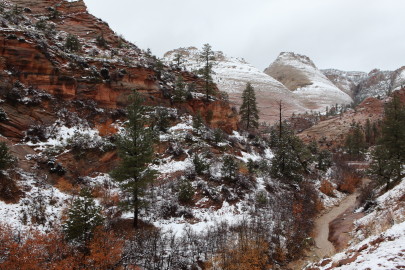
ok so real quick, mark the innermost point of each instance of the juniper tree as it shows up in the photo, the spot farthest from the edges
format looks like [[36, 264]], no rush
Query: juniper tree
[[72, 43], [135, 148], [388, 158], [208, 58], [248, 110], [83, 217]]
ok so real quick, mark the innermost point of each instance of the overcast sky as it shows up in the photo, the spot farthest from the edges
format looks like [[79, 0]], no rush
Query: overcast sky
[[343, 34]]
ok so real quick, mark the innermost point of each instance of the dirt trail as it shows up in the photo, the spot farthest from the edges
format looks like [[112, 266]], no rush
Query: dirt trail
[[340, 218], [323, 246]]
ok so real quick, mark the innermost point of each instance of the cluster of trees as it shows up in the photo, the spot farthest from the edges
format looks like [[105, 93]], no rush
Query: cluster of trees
[[388, 156], [386, 139]]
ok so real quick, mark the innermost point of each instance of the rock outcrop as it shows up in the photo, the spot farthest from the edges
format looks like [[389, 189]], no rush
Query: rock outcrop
[[310, 86]]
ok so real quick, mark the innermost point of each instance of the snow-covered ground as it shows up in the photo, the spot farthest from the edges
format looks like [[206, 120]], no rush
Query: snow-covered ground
[[40, 208], [380, 252]]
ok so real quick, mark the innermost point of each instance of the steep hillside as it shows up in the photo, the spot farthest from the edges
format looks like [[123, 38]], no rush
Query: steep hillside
[[347, 81], [378, 238], [311, 87], [331, 132], [65, 82], [231, 76], [359, 85]]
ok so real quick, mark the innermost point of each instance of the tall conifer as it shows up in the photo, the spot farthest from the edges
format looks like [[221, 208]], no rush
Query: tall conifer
[[248, 111], [388, 161], [135, 148]]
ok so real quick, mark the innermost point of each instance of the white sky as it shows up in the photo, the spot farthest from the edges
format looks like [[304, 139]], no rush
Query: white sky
[[344, 34]]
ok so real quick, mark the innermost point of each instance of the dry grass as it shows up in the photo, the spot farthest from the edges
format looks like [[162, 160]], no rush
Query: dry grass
[[65, 186]]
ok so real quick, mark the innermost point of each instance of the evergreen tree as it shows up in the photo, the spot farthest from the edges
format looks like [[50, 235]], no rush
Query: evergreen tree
[[72, 43], [83, 217], [135, 148], [179, 94], [291, 156], [251, 166], [6, 159], [186, 191], [198, 123], [229, 168], [200, 166], [248, 110], [389, 155], [208, 58], [355, 143], [368, 132], [178, 59], [161, 121], [324, 160]]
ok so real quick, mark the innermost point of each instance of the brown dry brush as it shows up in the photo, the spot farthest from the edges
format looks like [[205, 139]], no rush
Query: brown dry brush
[[347, 178]]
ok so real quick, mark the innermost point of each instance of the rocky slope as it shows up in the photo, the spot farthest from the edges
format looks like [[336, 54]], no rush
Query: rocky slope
[[311, 87], [360, 85], [296, 82], [231, 76], [347, 81], [331, 132]]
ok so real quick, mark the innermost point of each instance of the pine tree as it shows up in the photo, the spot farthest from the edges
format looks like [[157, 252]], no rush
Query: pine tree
[[186, 191], [206, 72], [355, 143], [229, 168], [200, 166], [6, 159], [291, 156], [83, 217], [198, 123], [368, 132], [248, 110], [179, 90], [135, 148], [388, 157], [161, 120], [178, 59]]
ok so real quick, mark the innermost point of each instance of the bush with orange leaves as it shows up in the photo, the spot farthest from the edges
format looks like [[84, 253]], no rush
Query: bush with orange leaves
[[247, 254], [350, 182], [327, 188], [105, 250], [34, 250]]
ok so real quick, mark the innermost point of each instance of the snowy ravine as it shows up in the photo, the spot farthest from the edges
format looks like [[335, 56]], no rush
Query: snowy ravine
[[378, 237]]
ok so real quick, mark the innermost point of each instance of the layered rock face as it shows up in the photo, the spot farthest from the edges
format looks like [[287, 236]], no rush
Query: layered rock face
[[105, 69], [347, 81], [310, 86], [331, 133]]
